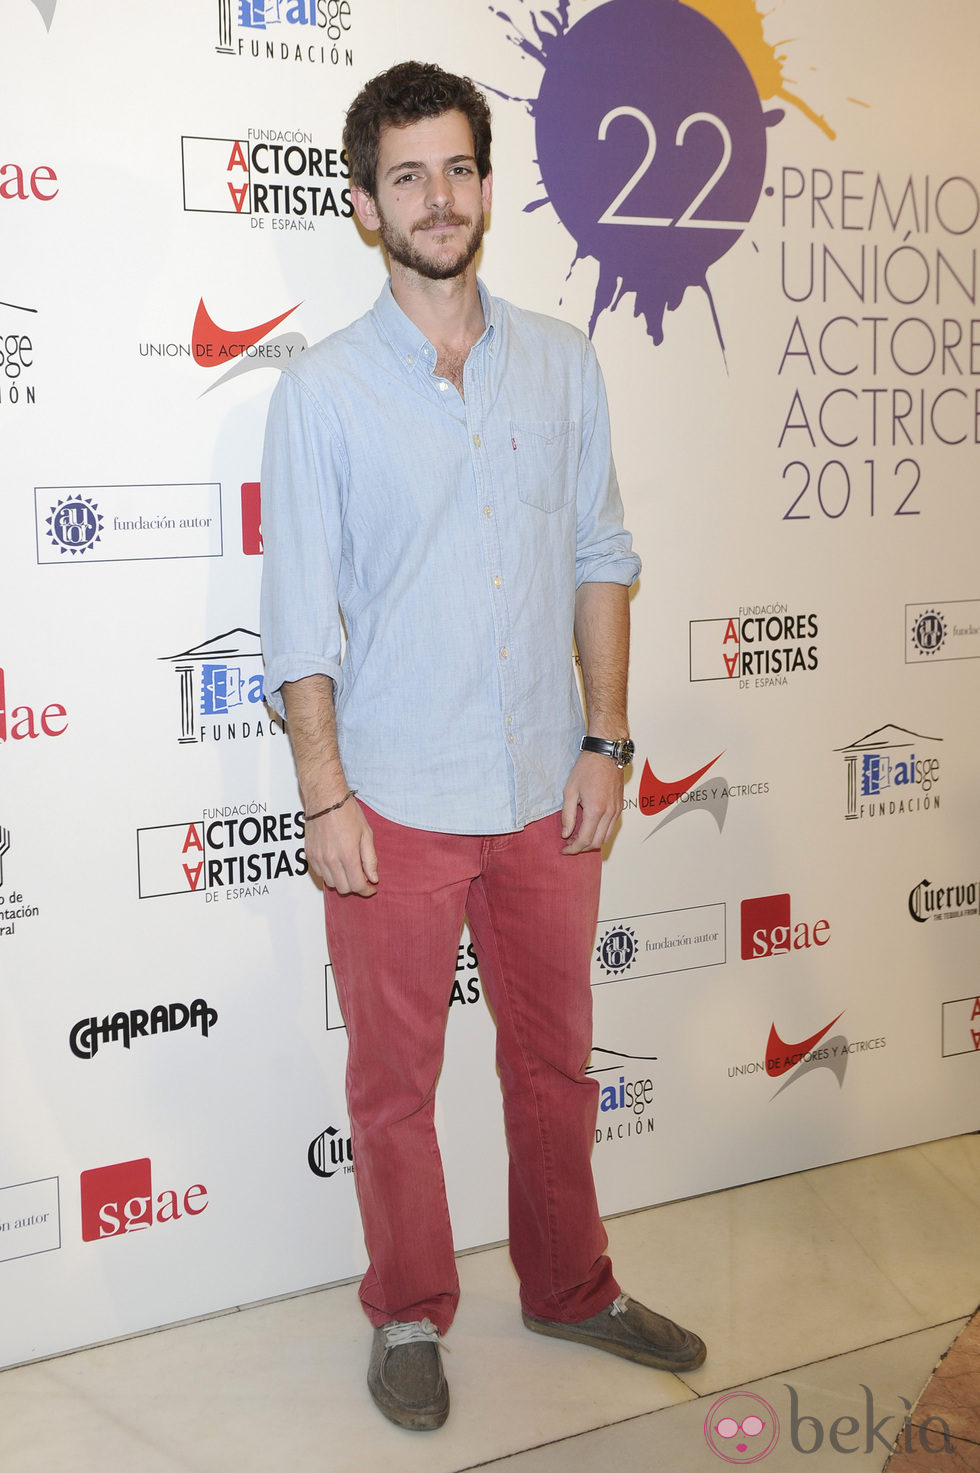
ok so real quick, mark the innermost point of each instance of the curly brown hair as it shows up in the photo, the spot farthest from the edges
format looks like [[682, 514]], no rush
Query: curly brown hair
[[405, 94]]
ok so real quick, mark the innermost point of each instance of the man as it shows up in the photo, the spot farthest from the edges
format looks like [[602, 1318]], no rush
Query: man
[[438, 476]]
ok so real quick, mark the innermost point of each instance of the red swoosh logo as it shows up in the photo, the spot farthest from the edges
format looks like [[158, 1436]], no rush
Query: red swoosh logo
[[209, 342], [655, 794], [791, 1052]]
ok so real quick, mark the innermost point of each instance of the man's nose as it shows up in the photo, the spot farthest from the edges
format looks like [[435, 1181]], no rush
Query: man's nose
[[439, 194]]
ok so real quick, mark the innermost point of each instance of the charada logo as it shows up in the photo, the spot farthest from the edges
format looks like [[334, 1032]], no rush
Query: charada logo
[[891, 771], [651, 137]]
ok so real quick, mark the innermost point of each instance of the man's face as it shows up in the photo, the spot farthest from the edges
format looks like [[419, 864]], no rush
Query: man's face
[[429, 200]]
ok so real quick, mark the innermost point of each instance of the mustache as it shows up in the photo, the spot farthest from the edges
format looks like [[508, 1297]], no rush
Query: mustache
[[447, 218]]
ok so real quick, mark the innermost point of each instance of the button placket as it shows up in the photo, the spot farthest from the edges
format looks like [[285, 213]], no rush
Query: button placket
[[482, 462]]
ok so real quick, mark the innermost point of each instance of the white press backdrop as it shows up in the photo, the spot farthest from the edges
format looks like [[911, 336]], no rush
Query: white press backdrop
[[785, 970]]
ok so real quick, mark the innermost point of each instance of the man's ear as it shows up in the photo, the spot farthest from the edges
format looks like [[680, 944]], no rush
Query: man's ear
[[486, 189], [364, 207]]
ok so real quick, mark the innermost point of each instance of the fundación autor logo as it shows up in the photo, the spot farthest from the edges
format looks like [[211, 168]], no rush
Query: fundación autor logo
[[946, 631]]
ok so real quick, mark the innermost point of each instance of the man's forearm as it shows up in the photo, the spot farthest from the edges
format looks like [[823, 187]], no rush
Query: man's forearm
[[602, 636], [312, 725], [339, 844]]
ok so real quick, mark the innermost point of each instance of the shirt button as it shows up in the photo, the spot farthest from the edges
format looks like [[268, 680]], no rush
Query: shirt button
[[510, 721], [443, 385], [505, 653], [496, 583], [408, 359], [488, 511], [477, 441], [510, 736]]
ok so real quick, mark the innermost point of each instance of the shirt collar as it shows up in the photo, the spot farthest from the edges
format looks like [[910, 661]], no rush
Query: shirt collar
[[409, 343]]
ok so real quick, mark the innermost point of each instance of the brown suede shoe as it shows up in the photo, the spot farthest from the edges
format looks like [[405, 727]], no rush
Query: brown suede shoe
[[629, 1329], [405, 1375]]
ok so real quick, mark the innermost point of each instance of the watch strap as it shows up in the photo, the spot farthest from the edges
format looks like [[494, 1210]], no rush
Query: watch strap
[[620, 750]]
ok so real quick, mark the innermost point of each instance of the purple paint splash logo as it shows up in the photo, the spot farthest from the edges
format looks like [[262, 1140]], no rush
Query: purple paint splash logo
[[651, 138]]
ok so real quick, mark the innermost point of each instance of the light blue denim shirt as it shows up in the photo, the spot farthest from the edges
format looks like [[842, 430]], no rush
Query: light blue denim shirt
[[444, 537]]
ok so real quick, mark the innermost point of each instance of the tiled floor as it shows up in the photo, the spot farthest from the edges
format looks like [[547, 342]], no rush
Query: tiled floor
[[946, 1418], [830, 1295]]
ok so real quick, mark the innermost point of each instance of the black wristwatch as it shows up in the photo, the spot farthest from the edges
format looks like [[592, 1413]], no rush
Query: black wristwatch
[[620, 751]]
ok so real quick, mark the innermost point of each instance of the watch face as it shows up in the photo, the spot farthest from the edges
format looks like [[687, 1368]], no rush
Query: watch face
[[624, 755]]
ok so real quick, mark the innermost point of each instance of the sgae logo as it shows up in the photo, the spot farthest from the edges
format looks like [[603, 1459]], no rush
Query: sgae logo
[[119, 1199], [767, 929]]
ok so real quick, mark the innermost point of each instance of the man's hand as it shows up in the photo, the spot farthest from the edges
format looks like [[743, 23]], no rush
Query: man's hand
[[595, 786], [340, 849]]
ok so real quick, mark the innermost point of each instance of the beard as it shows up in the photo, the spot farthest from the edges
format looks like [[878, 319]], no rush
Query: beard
[[401, 247]]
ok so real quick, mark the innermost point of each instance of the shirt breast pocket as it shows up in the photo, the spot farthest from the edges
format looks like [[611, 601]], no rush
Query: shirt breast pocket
[[544, 453]]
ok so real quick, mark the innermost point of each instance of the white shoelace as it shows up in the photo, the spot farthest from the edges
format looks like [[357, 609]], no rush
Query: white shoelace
[[407, 1332], [619, 1305]]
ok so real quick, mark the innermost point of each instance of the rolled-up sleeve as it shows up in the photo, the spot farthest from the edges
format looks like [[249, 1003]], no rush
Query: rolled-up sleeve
[[304, 472], [604, 549]]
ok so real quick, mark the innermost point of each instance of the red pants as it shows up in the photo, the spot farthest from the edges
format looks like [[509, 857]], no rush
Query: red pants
[[532, 913]]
